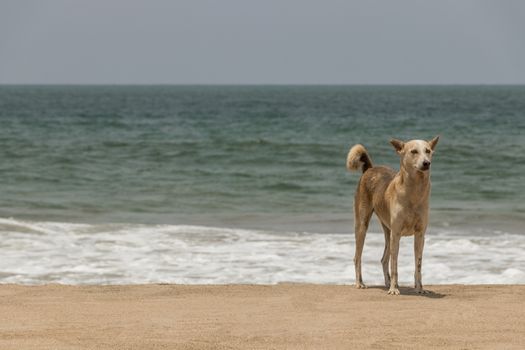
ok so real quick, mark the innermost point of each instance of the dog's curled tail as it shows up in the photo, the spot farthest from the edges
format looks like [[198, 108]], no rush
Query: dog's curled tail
[[358, 158]]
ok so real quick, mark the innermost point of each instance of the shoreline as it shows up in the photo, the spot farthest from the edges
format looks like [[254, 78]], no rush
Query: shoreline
[[84, 254], [282, 316], [486, 222]]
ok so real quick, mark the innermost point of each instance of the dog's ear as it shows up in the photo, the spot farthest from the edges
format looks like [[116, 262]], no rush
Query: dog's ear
[[398, 145], [433, 142]]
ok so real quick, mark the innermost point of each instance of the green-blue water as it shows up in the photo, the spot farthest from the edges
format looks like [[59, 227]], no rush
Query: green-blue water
[[252, 156]]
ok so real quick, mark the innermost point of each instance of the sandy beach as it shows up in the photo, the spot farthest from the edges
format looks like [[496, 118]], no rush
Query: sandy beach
[[284, 316]]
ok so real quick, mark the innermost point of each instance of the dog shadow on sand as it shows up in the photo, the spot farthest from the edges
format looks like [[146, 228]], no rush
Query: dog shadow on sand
[[410, 291]]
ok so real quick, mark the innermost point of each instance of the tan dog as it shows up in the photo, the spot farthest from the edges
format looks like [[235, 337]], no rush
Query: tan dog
[[400, 201]]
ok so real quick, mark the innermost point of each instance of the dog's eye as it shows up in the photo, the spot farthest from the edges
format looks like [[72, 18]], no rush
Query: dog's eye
[[427, 150], [414, 151]]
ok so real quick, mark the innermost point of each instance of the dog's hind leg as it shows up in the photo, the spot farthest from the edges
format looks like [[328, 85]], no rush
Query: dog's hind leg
[[363, 212], [386, 255]]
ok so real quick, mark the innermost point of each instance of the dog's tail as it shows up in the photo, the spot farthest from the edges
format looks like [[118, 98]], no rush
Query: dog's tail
[[358, 158]]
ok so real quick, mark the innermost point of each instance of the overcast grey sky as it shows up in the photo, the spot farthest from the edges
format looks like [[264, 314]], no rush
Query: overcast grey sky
[[262, 42]]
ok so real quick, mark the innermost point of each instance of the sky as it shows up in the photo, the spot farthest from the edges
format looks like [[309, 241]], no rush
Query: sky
[[262, 42]]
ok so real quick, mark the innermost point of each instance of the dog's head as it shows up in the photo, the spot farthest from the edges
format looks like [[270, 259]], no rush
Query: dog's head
[[416, 155]]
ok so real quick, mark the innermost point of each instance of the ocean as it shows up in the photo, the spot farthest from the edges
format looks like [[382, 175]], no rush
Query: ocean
[[247, 184]]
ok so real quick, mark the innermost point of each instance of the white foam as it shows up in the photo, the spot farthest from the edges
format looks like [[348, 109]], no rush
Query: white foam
[[44, 252]]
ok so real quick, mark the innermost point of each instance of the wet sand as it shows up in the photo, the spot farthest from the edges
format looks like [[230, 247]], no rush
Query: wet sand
[[284, 316]]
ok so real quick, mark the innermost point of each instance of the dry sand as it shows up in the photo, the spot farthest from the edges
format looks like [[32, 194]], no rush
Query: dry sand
[[285, 316]]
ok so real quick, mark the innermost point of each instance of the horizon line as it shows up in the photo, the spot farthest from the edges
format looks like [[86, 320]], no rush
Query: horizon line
[[262, 84]]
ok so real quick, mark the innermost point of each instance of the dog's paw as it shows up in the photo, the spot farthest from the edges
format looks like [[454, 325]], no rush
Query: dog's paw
[[360, 285], [422, 291], [393, 291]]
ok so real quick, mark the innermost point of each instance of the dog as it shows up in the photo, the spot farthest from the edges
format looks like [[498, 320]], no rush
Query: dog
[[399, 200]]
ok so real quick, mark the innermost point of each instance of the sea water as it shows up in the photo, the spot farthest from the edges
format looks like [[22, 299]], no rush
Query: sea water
[[247, 184]]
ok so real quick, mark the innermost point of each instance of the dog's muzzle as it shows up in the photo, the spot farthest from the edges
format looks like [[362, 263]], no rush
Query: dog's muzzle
[[425, 165]]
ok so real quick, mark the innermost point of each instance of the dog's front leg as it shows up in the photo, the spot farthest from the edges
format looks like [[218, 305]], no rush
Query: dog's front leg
[[394, 250], [419, 242]]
